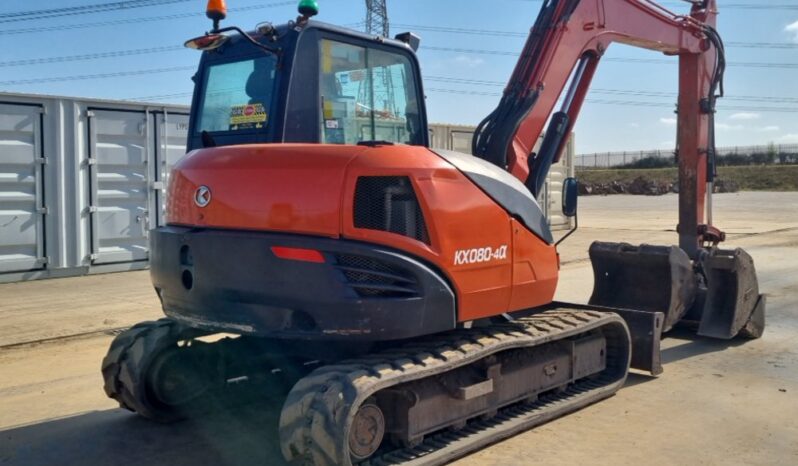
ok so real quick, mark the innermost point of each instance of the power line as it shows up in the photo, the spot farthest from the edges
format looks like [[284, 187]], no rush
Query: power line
[[498, 33], [82, 10], [91, 56], [730, 6], [145, 19], [18, 82], [748, 6], [639, 93], [624, 103], [632, 103], [619, 59], [122, 53], [443, 79]]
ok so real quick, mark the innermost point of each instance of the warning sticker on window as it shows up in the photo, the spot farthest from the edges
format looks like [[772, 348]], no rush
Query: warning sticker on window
[[247, 116]]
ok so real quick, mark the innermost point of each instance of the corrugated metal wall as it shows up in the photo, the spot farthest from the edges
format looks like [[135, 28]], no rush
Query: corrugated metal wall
[[83, 181]]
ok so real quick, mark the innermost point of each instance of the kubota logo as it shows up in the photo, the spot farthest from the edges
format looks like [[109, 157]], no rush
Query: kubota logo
[[202, 196]]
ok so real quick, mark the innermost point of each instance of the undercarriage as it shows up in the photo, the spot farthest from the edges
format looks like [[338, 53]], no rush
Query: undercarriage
[[423, 401]]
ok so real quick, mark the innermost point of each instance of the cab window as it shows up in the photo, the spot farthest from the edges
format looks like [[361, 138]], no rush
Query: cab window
[[367, 95], [237, 96]]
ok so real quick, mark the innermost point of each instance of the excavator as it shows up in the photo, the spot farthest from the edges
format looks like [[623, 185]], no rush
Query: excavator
[[404, 295]]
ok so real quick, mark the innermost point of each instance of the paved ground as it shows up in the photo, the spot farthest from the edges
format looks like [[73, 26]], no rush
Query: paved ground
[[716, 403]]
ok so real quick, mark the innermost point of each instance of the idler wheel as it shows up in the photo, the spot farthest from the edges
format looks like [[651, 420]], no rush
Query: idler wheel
[[368, 429]]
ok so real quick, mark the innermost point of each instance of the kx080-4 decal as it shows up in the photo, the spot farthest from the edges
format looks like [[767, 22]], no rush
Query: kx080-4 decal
[[479, 255]]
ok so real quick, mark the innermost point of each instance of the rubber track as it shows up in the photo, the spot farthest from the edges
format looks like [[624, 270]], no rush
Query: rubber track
[[124, 366], [318, 412]]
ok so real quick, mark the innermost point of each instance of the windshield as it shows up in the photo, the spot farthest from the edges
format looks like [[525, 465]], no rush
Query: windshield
[[237, 95]]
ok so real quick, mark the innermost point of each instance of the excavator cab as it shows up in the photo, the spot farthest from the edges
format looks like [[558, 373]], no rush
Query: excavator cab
[[306, 82]]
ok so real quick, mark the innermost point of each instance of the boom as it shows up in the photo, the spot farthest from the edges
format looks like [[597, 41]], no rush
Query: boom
[[568, 40]]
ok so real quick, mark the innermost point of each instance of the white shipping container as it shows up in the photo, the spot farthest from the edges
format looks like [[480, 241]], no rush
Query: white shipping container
[[81, 182]]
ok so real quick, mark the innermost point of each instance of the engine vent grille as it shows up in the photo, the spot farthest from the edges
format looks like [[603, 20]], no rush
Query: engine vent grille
[[370, 277], [388, 203]]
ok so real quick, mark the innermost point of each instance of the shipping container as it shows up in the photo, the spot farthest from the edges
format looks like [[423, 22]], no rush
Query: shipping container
[[82, 181]]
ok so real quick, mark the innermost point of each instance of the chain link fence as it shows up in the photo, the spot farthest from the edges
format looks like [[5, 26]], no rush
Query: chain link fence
[[732, 155]]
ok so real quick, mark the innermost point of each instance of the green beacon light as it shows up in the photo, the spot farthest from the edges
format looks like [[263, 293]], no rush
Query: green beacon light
[[308, 8]]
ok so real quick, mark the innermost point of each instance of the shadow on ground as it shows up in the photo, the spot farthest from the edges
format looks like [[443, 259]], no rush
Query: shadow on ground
[[243, 435], [243, 432], [694, 345]]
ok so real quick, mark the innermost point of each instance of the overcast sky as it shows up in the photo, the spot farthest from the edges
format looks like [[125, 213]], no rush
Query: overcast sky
[[630, 105]]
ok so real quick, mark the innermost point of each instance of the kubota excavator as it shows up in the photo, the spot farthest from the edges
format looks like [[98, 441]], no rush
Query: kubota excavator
[[406, 293]]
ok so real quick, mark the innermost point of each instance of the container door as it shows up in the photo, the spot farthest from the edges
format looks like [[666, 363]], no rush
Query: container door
[[119, 195], [171, 136], [21, 195]]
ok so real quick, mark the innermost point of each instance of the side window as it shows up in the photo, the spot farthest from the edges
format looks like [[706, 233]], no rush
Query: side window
[[367, 94]]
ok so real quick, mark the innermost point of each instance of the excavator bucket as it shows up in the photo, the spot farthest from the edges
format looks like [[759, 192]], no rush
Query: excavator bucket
[[732, 304], [724, 303], [643, 278]]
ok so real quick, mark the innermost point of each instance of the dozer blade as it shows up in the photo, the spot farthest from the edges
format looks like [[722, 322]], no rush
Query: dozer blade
[[732, 303], [644, 278]]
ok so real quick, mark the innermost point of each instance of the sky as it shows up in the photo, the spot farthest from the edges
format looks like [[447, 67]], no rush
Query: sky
[[630, 105]]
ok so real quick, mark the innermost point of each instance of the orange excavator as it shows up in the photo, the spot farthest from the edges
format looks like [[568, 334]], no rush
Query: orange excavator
[[403, 295]]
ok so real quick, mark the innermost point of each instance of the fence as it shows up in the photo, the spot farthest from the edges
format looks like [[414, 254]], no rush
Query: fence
[[618, 159]]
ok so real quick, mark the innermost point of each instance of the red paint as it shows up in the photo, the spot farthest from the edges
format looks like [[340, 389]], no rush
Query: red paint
[[298, 254]]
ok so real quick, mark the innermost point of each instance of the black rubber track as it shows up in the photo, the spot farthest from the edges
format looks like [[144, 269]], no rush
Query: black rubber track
[[318, 412], [125, 366]]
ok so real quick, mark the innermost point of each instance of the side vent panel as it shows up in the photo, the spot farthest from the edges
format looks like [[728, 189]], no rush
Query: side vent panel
[[370, 278], [388, 203]]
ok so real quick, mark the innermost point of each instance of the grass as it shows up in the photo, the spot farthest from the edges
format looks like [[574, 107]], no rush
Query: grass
[[749, 178]]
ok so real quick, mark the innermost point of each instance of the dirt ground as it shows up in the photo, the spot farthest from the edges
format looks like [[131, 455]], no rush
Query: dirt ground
[[718, 402]]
